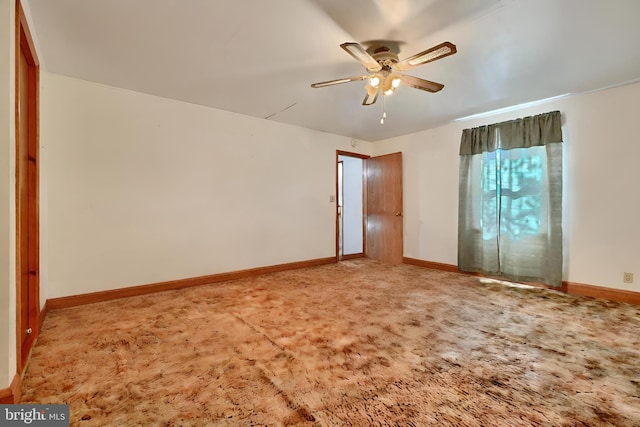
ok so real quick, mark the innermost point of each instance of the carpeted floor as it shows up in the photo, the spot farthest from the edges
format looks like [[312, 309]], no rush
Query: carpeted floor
[[358, 343]]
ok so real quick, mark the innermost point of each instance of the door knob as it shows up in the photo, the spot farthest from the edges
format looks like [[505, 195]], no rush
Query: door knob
[[398, 213]]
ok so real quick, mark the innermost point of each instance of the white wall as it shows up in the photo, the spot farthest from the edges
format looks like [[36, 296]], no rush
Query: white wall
[[7, 194], [601, 178], [143, 189]]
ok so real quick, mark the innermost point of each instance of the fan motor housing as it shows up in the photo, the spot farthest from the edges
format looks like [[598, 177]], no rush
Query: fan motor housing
[[385, 57]]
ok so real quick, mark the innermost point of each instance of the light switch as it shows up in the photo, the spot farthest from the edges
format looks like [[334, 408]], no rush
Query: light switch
[[332, 199]]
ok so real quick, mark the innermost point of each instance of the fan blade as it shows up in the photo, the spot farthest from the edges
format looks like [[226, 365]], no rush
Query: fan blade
[[422, 84], [436, 52], [361, 55], [339, 81], [371, 96]]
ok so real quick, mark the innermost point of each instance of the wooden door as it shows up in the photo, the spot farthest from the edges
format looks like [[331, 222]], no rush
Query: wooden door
[[27, 232], [384, 208]]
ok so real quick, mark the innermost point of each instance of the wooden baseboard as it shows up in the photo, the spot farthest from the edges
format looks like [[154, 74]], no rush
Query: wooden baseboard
[[352, 256], [90, 298], [11, 394], [571, 288], [619, 295], [430, 264]]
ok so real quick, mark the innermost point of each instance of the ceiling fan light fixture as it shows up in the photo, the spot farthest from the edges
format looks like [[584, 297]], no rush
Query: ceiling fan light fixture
[[371, 90], [385, 72], [391, 82]]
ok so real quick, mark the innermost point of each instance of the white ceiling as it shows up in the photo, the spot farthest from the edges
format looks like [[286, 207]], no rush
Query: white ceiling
[[259, 57]]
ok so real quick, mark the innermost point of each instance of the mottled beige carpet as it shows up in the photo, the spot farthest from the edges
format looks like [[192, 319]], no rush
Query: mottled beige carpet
[[352, 344]]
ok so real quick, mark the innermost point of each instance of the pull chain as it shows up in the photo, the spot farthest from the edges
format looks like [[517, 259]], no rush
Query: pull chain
[[384, 113]]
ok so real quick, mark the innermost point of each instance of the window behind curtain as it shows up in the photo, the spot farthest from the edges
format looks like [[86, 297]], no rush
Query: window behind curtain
[[510, 211]]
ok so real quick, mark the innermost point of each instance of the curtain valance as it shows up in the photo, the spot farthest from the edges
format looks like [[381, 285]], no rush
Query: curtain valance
[[527, 132]]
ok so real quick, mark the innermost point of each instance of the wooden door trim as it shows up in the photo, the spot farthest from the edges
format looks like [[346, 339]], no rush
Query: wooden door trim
[[349, 154], [364, 157], [340, 212], [24, 43]]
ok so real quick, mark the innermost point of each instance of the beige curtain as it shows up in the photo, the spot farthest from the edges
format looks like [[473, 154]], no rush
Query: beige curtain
[[510, 199]]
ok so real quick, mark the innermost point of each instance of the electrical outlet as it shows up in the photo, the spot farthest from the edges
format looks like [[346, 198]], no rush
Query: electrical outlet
[[627, 277]]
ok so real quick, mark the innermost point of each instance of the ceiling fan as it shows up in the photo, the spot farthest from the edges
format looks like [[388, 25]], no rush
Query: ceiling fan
[[384, 69]]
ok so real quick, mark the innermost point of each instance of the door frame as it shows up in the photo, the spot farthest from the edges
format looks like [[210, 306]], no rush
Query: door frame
[[24, 42], [364, 158]]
